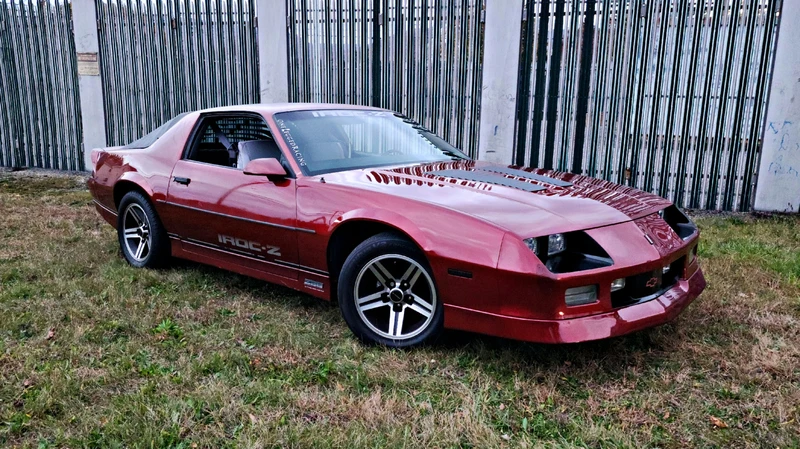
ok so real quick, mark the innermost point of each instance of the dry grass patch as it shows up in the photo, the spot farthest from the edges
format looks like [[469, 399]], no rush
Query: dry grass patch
[[94, 353]]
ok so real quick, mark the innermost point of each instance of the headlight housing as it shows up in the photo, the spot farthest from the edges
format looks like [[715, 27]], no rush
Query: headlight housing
[[553, 244], [568, 252], [532, 244], [556, 243]]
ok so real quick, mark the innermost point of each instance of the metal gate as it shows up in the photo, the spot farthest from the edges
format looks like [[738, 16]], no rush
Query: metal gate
[[159, 58], [40, 116], [667, 95], [418, 57]]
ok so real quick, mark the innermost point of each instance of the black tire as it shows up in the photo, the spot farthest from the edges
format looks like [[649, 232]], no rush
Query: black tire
[[136, 212], [411, 307]]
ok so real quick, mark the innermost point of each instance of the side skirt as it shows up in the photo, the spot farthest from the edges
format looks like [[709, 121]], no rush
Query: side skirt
[[108, 215], [314, 284]]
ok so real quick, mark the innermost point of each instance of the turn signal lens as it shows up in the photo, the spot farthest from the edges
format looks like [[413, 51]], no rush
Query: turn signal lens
[[578, 296], [617, 284]]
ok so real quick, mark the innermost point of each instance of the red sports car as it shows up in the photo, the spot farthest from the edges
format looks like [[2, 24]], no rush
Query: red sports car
[[409, 234]]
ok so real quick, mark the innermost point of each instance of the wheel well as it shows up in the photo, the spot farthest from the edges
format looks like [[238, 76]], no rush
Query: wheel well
[[350, 234], [123, 187]]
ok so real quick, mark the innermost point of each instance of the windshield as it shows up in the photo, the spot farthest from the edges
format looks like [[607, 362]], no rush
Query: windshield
[[336, 140]]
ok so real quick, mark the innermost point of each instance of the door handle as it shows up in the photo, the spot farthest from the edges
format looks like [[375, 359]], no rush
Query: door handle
[[179, 180]]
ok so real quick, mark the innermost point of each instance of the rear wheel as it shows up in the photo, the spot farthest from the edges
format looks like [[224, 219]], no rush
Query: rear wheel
[[142, 238], [387, 293]]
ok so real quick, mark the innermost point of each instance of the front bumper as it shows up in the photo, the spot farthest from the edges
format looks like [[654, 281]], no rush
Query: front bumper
[[617, 322]]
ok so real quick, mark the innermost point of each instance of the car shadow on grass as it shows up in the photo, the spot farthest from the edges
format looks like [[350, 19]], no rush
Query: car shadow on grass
[[612, 355], [263, 290]]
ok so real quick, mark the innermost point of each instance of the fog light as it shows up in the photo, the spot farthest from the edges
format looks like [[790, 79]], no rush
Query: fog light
[[618, 284], [577, 296]]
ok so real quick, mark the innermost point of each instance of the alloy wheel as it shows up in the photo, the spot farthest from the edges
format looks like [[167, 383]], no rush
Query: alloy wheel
[[137, 237], [395, 296]]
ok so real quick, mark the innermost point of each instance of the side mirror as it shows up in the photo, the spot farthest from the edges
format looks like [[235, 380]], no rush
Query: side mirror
[[268, 166]]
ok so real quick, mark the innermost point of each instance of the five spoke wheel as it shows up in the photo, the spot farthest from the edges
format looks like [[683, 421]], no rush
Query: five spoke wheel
[[137, 232], [395, 296], [142, 238]]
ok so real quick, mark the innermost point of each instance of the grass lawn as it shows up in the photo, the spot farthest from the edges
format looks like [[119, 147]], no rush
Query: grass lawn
[[94, 353]]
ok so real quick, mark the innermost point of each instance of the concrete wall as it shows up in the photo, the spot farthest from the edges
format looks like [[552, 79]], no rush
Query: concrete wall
[[84, 21], [499, 87], [778, 182], [273, 64]]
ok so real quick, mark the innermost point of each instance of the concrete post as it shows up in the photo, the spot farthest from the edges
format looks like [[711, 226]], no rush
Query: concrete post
[[778, 182], [499, 89], [93, 117], [273, 54]]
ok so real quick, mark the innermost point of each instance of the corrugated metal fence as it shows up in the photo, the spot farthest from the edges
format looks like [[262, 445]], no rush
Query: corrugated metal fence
[[418, 57], [159, 58], [40, 116], [667, 96]]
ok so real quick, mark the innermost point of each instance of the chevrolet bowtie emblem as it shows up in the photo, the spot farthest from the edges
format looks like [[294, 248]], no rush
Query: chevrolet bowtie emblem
[[652, 282]]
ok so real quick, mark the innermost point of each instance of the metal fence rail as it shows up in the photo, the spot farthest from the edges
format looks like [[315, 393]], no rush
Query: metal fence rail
[[667, 96], [159, 58], [418, 57], [40, 116]]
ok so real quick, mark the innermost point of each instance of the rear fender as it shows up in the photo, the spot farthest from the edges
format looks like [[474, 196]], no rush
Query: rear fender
[[130, 179]]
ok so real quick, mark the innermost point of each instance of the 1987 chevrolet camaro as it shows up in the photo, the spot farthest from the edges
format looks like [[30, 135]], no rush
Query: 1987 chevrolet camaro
[[364, 206]]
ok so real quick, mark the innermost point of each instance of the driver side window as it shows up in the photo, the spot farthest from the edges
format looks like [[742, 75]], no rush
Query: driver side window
[[232, 140]]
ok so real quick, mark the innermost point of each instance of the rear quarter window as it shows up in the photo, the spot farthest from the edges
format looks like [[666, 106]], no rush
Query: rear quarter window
[[149, 139]]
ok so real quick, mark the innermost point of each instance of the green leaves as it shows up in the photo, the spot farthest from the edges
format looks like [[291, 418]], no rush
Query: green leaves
[[168, 329]]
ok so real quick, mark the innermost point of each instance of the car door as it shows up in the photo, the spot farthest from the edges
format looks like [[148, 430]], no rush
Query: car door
[[218, 211]]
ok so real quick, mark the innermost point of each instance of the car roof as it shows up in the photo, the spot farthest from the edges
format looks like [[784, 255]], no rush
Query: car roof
[[272, 108]]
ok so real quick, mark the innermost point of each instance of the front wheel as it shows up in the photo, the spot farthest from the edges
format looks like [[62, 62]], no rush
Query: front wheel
[[387, 294], [142, 238]]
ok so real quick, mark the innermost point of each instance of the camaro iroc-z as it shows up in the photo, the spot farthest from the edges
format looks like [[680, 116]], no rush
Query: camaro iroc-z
[[407, 233]]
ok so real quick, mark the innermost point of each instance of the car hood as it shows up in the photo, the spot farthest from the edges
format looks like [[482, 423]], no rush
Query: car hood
[[529, 202]]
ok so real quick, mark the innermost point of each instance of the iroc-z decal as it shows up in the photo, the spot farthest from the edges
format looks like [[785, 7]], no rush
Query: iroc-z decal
[[249, 244]]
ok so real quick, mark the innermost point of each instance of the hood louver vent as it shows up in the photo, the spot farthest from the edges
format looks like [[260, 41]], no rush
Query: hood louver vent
[[527, 175], [485, 177]]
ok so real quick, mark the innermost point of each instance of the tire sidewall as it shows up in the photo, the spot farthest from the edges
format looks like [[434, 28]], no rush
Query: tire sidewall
[[378, 245], [159, 250]]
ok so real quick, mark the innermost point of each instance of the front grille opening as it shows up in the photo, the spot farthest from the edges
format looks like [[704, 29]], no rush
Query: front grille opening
[[582, 253], [679, 222], [648, 285]]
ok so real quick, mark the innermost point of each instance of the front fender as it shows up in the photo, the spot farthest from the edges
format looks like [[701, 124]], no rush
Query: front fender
[[452, 241], [385, 217], [463, 253]]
